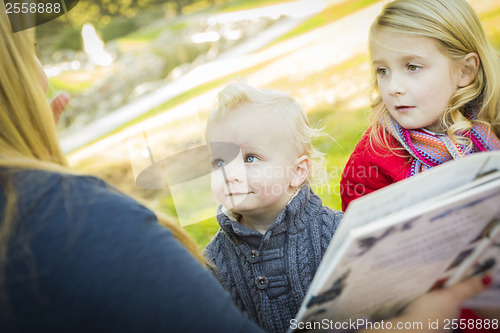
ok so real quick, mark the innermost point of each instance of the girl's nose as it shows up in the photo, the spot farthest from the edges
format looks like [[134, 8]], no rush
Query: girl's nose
[[396, 85]]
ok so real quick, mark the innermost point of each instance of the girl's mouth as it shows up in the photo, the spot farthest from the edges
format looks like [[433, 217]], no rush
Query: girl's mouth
[[404, 108]]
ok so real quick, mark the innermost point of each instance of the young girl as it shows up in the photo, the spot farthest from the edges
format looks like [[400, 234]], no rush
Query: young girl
[[437, 94], [274, 229]]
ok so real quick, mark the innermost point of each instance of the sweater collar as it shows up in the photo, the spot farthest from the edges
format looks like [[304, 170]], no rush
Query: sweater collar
[[293, 217]]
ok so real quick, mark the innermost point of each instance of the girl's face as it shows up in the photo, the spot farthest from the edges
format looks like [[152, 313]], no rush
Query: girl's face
[[253, 162], [415, 79]]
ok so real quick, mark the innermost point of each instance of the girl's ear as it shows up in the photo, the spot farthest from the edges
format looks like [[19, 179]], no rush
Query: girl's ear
[[469, 66], [301, 171]]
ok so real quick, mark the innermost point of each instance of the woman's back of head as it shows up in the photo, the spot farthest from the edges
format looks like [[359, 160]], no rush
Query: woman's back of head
[[27, 129], [28, 137]]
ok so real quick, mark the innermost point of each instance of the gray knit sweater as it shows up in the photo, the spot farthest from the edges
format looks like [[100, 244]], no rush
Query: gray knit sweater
[[268, 275]]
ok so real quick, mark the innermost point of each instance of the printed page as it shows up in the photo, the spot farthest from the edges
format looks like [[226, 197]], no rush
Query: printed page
[[390, 263]]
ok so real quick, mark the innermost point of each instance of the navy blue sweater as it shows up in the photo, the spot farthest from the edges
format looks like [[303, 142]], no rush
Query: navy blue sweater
[[86, 258]]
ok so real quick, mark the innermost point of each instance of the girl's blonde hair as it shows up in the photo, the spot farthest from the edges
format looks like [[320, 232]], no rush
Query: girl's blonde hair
[[28, 137], [458, 31], [293, 116]]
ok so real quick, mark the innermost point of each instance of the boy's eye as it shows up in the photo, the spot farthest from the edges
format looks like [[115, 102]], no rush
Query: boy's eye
[[250, 159], [218, 163], [413, 68], [382, 71]]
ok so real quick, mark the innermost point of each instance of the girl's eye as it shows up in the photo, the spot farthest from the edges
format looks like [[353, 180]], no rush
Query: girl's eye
[[250, 159], [413, 68], [382, 71], [219, 163]]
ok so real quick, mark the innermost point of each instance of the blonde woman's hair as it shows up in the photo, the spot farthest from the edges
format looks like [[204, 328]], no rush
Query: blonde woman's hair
[[458, 31], [28, 137], [293, 116]]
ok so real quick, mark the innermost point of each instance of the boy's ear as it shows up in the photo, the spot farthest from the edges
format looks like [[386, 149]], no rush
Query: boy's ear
[[469, 66], [301, 171]]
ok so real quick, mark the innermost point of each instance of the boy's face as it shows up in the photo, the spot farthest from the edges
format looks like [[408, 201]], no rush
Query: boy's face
[[415, 79], [253, 161]]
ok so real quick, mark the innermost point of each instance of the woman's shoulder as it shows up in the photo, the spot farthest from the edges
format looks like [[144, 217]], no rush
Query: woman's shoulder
[[54, 196], [33, 183]]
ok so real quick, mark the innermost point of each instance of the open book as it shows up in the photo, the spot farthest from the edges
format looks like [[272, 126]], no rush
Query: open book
[[404, 240]]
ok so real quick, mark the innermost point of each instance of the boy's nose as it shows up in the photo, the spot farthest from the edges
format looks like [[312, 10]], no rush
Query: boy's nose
[[234, 172], [233, 178]]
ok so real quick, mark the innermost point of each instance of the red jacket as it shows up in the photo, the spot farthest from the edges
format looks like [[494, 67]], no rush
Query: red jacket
[[369, 169]]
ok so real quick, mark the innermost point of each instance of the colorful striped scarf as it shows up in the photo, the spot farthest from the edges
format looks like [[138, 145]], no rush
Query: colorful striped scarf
[[431, 149]]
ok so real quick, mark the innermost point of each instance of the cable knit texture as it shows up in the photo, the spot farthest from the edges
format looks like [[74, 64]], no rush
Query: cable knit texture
[[268, 275]]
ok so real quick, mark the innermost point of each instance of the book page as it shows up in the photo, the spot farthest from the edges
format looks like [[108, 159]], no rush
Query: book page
[[403, 256]]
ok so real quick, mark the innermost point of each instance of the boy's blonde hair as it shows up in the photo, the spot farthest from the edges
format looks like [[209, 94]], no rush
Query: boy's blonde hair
[[458, 31], [293, 116]]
